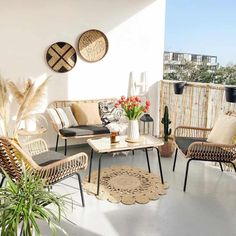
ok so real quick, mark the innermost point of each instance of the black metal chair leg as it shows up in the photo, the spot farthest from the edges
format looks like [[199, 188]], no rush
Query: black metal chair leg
[[57, 143], [2, 181], [90, 165], [234, 166], [49, 188], [99, 170], [81, 189], [149, 170], [176, 153], [65, 150], [186, 174], [133, 152], [221, 167], [159, 160]]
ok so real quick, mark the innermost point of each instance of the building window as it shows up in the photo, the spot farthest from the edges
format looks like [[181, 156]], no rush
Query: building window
[[199, 59], [194, 58], [213, 60], [181, 57], [166, 56], [205, 59], [175, 56]]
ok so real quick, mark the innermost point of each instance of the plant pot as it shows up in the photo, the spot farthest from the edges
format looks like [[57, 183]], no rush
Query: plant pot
[[167, 149], [179, 87], [230, 93], [133, 130]]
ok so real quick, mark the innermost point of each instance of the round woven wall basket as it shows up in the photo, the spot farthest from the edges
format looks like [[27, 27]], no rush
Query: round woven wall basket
[[93, 45], [61, 57]]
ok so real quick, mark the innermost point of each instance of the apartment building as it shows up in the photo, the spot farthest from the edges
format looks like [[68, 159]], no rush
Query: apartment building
[[173, 60]]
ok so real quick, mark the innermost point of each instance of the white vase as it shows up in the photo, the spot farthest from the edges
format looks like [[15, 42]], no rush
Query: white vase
[[133, 130]]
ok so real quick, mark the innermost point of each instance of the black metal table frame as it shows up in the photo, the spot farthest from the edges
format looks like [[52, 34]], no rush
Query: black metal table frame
[[134, 149]]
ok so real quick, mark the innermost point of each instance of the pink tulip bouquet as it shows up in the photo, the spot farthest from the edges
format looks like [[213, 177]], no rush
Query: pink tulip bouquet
[[133, 106]]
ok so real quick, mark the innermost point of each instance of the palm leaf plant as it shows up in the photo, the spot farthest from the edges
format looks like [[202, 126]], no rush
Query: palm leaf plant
[[26, 201]]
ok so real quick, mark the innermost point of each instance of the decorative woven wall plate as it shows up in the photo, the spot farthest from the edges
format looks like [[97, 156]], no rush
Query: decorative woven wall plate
[[61, 57], [93, 45]]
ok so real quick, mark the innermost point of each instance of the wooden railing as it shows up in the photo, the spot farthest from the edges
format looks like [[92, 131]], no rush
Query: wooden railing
[[199, 105]]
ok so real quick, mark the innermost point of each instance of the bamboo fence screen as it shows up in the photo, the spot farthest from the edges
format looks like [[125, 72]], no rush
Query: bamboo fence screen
[[199, 105]]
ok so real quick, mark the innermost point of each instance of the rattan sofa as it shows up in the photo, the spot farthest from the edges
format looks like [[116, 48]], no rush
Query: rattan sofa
[[79, 132]]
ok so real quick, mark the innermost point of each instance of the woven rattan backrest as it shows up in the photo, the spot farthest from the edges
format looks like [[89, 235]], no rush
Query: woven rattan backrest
[[67, 103], [12, 157]]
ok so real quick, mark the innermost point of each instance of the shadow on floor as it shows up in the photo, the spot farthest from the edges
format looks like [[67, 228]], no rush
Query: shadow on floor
[[71, 229]]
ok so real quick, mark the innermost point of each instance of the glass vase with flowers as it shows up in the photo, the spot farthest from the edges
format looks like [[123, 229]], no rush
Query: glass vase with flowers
[[133, 108]]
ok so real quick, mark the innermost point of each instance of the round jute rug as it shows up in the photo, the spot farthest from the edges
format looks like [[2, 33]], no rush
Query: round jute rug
[[126, 185]]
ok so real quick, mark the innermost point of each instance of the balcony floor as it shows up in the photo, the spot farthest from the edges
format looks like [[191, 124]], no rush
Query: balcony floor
[[207, 208]]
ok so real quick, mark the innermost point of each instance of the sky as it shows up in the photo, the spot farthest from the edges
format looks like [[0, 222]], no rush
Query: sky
[[203, 27]]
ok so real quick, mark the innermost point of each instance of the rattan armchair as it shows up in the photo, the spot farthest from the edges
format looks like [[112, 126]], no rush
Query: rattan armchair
[[192, 141], [12, 156]]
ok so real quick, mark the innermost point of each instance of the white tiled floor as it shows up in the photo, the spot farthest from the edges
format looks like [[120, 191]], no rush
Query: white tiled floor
[[207, 208]]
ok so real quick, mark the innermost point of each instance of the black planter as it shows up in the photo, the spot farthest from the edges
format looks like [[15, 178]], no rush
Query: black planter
[[179, 87], [230, 94]]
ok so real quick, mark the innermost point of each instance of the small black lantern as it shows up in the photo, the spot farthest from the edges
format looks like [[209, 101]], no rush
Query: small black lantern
[[146, 124]]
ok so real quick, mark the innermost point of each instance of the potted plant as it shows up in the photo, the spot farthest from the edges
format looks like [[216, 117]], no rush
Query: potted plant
[[168, 148], [26, 201], [133, 109], [179, 87], [230, 93]]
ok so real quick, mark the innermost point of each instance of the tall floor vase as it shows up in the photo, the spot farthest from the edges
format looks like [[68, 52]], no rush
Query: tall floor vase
[[133, 131]]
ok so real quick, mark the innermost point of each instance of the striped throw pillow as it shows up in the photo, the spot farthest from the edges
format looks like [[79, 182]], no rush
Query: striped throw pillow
[[62, 117], [70, 116], [54, 117]]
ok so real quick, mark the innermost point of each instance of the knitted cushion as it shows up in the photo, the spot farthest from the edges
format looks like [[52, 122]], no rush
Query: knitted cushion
[[224, 130]]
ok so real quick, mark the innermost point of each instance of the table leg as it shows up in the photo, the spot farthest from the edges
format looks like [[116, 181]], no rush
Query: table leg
[[99, 170], [90, 165], [159, 160], [149, 169]]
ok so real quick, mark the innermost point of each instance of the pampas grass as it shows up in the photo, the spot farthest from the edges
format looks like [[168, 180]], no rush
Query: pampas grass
[[4, 107], [30, 101], [16, 92]]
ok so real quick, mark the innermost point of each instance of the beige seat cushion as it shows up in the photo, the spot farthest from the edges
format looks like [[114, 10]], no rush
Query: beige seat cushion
[[224, 130], [86, 113]]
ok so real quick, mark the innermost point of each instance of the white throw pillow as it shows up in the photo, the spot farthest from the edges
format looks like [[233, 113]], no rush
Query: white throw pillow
[[224, 130]]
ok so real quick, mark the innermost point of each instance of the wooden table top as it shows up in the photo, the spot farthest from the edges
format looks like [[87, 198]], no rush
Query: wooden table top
[[104, 145]]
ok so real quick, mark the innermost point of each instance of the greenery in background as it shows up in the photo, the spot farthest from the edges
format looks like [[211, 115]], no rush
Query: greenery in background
[[192, 73], [26, 201]]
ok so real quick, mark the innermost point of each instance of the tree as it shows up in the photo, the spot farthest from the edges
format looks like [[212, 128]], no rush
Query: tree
[[202, 74]]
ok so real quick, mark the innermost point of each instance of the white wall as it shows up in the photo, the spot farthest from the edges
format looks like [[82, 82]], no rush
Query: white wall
[[135, 30]]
